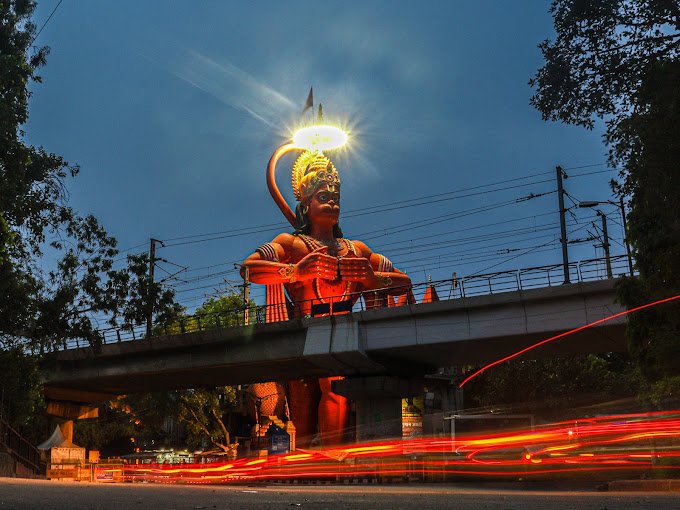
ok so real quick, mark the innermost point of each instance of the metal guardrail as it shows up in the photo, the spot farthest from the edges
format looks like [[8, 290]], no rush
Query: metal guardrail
[[455, 288], [20, 448]]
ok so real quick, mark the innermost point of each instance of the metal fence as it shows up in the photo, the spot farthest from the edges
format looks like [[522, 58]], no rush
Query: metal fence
[[454, 288], [20, 448]]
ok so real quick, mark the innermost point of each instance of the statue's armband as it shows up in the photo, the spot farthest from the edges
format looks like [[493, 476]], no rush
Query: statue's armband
[[384, 264], [268, 252]]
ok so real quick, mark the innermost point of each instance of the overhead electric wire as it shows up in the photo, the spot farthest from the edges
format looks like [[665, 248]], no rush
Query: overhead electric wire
[[474, 239], [422, 247], [477, 227], [46, 21], [364, 209], [517, 256], [475, 251], [445, 264], [197, 279], [370, 209], [430, 246], [463, 261], [395, 259], [588, 166], [437, 219], [427, 201], [383, 232]]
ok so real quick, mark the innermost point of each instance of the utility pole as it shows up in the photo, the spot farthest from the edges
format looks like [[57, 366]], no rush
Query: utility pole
[[246, 292], [563, 223], [620, 204], [246, 296], [625, 235], [151, 297], [605, 243]]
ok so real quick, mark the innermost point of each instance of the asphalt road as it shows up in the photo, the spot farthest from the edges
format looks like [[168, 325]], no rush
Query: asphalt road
[[19, 494]]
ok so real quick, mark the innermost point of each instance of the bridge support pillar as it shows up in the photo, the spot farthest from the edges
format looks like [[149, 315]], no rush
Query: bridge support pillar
[[66, 428], [67, 412], [378, 403]]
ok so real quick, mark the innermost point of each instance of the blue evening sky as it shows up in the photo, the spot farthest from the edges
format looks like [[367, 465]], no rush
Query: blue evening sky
[[172, 110]]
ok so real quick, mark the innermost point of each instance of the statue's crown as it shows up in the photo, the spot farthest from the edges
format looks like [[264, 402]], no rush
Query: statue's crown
[[311, 170]]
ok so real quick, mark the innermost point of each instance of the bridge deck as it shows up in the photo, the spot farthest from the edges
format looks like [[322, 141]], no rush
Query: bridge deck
[[407, 340]]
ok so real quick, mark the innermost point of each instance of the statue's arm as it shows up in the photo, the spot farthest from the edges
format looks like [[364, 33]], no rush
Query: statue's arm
[[385, 275], [267, 265], [272, 263]]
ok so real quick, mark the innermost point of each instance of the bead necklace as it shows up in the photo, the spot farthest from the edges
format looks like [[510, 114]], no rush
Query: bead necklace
[[314, 244]]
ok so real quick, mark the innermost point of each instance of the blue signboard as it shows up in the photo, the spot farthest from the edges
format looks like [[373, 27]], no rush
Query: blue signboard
[[280, 440]]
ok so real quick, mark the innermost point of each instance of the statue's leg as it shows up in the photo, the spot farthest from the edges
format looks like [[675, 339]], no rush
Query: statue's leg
[[303, 399], [333, 413]]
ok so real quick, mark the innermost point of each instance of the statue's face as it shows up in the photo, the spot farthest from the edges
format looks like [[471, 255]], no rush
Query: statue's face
[[325, 205]]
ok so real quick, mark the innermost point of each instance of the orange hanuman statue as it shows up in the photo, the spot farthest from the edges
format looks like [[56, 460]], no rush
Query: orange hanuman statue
[[317, 266]]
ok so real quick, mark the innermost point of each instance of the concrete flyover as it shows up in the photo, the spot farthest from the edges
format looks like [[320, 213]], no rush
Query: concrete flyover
[[403, 341]]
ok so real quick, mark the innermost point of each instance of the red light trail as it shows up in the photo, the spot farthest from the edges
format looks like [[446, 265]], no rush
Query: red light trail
[[566, 333], [631, 443]]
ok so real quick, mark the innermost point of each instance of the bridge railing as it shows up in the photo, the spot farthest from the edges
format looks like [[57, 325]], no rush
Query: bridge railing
[[454, 288]]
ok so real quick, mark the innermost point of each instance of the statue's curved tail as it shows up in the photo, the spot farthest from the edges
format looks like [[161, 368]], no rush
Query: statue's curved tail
[[271, 181]]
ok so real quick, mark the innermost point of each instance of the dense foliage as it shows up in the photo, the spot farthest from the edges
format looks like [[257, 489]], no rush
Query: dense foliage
[[57, 274], [550, 387], [199, 418], [602, 53], [649, 146], [619, 61], [21, 402], [56, 266]]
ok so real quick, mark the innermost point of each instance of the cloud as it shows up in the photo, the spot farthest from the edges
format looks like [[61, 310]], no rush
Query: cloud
[[225, 82], [370, 45]]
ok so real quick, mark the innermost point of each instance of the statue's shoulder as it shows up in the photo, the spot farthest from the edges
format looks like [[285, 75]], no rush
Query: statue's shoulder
[[361, 248], [292, 244], [285, 239]]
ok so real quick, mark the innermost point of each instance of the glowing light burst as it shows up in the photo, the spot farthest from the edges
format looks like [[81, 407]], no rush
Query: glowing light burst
[[320, 138], [627, 443], [566, 333]]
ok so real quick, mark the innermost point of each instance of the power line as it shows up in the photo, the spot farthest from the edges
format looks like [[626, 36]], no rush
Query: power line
[[364, 209], [485, 252], [476, 239], [517, 256], [586, 166], [430, 246], [386, 206], [466, 261], [428, 199], [382, 232], [47, 21], [468, 229]]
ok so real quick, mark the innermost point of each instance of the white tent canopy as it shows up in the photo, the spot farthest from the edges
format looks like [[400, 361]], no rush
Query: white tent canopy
[[57, 439]]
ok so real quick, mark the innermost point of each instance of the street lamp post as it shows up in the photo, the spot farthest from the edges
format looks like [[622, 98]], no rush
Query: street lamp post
[[620, 205]]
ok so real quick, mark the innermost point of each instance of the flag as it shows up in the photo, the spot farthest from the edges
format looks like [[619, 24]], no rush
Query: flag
[[310, 101]]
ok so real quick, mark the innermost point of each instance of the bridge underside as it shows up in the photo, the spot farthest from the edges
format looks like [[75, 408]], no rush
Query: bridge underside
[[410, 341]]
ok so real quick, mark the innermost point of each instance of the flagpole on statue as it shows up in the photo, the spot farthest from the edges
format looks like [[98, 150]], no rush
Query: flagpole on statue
[[309, 104]]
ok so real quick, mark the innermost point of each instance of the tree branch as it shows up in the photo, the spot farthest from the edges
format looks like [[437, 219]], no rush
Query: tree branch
[[222, 426]]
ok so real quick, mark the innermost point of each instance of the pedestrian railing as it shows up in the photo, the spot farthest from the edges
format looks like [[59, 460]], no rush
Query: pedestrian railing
[[20, 448]]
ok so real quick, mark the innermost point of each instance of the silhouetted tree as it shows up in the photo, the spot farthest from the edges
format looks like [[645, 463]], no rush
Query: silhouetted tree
[[619, 61]]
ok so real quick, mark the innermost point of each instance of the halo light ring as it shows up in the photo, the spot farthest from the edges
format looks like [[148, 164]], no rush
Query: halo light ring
[[320, 137]]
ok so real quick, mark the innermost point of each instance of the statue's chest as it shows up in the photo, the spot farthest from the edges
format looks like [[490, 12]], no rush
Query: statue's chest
[[334, 289], [330, 288]]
